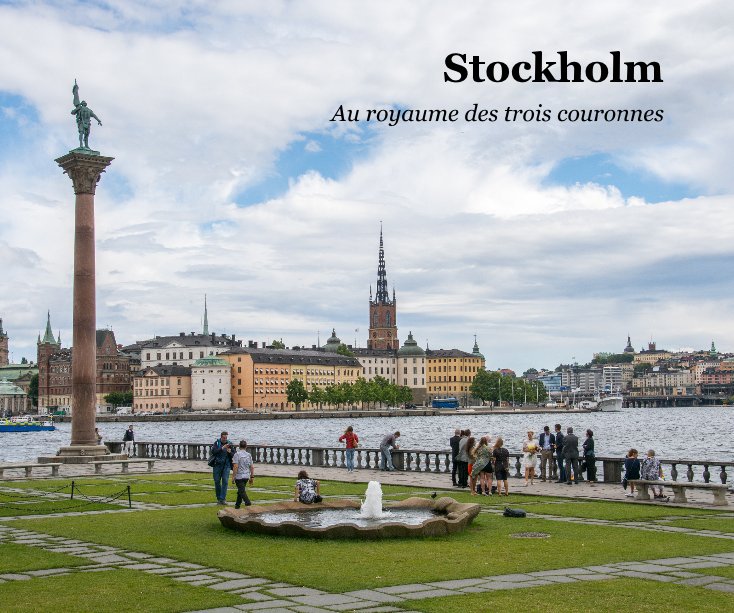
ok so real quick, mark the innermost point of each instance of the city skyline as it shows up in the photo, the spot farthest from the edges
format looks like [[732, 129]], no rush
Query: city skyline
[[547, 241]]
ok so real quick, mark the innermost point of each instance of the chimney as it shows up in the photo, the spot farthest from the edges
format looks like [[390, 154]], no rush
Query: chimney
[[182, 333]]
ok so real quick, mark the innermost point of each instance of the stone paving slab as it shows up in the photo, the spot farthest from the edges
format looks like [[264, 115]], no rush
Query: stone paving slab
[[456, 584], [667, 561], [235, 583], [404, 589], [326, 600], [721, 587], [703, 565], [374, 596], [636, 574], [107, 558], [226, 574], [594, 577], [550, 573], [647, 568], [189, 578], [142, 566], [256, 596], [352, 606], [258, 606], [700, 580], [138, 555], [307, 609], [435, 593], [294, 591], [14, 577], [517, 577], [381, 610], [46, 572]]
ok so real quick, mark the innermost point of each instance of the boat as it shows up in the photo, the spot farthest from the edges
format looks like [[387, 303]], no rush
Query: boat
[[445, 403], [25, 424], [602, 403]]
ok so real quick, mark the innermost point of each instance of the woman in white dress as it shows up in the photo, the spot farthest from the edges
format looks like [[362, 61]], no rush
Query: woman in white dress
[[530, 456]]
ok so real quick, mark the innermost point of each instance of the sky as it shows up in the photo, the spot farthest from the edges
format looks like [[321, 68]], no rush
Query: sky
[[549, 241]]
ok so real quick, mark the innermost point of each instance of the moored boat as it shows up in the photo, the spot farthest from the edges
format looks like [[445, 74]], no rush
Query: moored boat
[[26, 424]]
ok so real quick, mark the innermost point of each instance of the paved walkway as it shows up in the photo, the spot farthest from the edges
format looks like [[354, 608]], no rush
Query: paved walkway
[[599, 491]]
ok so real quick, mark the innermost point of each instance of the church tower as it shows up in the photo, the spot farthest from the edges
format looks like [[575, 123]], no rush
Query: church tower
[[4, 350], [47, 347], [383, 332]]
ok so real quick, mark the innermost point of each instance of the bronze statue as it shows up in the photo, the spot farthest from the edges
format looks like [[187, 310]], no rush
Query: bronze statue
[[83, 118]]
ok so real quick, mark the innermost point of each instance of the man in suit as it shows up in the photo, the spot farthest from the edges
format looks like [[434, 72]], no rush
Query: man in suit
[[571, 455], [547, 465], [454, 443], [559, 454]]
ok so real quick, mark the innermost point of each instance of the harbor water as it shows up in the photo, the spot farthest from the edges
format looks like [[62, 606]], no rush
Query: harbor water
[[694, 433]]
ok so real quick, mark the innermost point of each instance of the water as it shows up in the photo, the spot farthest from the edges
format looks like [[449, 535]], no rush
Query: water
[[372, 504], [324, 518], [698, 433]]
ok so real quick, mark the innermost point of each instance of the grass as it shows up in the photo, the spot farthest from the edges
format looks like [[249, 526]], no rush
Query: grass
[[613, 595], [718, 571], [721, 525], [18, 558], [485, 548], [120, 590]]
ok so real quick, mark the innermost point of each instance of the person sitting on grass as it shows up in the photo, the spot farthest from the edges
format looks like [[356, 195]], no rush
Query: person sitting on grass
[[631, 471], [307, 490]]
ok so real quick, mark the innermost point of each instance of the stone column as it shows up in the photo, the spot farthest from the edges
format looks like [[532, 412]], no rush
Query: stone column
[[85, 170]]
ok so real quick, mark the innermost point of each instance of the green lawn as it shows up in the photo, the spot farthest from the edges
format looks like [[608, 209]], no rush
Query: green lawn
[[120, 590], [192, 534], [18, 558], [719, 571], [724, 524], [614, 595]]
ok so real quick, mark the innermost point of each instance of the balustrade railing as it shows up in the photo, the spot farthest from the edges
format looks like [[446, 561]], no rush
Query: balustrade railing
[[609, 469]]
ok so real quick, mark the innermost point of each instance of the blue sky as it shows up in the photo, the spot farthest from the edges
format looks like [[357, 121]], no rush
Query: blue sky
[[546, 240]]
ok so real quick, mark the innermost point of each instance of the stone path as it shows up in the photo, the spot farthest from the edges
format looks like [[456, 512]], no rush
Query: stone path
[[267, 595]]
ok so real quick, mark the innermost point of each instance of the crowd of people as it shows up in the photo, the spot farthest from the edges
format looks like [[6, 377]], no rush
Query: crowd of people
[[477, 462]]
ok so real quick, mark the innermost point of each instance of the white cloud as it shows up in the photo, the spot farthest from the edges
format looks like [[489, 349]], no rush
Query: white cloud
[[199, 101]]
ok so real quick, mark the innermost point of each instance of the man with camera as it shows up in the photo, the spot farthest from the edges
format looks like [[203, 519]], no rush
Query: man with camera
[[220, 459]]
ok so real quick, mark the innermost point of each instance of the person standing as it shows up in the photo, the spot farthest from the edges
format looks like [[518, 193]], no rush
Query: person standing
[[471, 450], [243, 473], [98, 434], [530, 456], [547, 465], [454, 443], [590, 457], [221, 462], [482, 468], [501, 465], [463, 459], [128, 441], [559, 454], [352, 440], [631, 471], [571, 456], [390, 440]]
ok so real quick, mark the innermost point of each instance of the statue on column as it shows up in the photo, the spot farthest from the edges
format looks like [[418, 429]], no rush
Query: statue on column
[[84, 116]]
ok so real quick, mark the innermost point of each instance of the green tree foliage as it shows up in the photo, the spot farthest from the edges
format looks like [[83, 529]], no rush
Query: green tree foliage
[[119, 399], [33, 390], [344, 350], [297, 393], [494, 387], [278, 344], [317, 396], [484, 386], [613, 358], [641, 369]]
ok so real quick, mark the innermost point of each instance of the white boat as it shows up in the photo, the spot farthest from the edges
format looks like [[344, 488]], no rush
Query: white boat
[[602, 403]]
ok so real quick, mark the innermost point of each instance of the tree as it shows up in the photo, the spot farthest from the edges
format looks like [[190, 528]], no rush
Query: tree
[[344, 350], [119, 399], [296, 393], [361, 390], [316, 396], [641, 369], [277, 344], [24, 361], [484, 386], [33, 390]]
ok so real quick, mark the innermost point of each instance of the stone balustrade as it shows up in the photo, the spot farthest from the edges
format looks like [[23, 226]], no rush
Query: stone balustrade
[[609, 469]]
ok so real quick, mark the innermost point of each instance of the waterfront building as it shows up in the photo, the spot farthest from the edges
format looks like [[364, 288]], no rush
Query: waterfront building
[[162, 389], [664, 383], [411, 368], [551, 381], [612, 378], [19, 374], [377, 363], [181, 350], [4, 346], [699, 368], [450, 372], [13, 400], [55, 366], [260, 376], [383, 328], [211, 379]]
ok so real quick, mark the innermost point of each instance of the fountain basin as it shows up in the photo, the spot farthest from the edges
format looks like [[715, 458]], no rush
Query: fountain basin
[[437, 518]]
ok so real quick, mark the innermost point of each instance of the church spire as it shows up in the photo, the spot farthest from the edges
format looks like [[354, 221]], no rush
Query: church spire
[[48, 337], [382, 295], [205, 331]]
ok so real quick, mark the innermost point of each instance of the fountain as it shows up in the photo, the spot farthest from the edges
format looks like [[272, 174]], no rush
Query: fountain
[[339, 518]]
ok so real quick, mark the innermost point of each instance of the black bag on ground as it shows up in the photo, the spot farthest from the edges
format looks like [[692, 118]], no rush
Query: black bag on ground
[[514, 512]]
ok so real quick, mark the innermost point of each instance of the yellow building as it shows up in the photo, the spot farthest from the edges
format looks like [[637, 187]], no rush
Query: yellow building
[[160, 389], [260, 377], [450, 372]]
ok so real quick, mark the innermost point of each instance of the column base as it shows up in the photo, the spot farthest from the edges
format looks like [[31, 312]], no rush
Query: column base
[[81, 454]]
